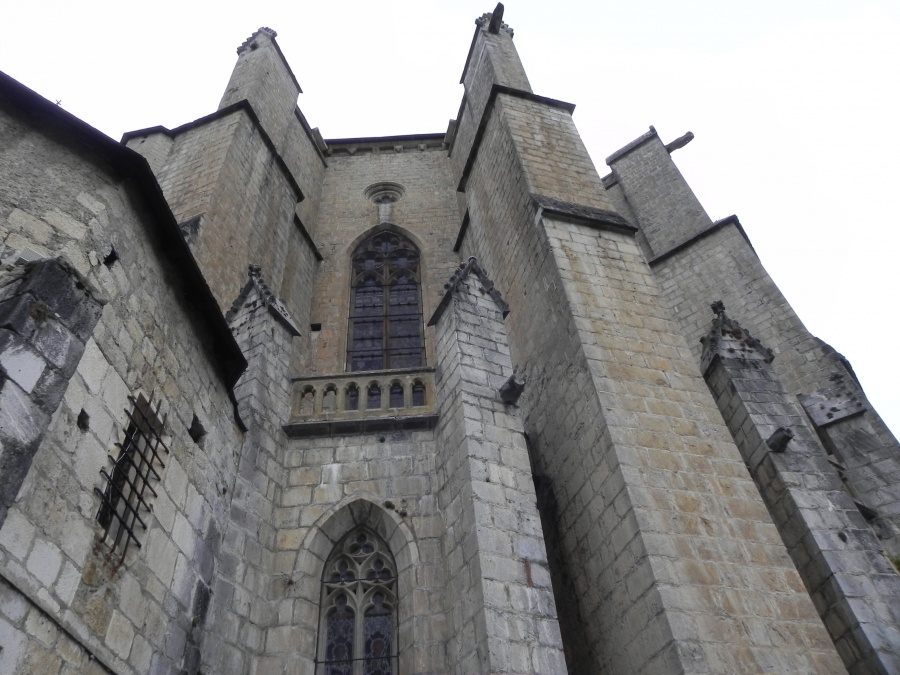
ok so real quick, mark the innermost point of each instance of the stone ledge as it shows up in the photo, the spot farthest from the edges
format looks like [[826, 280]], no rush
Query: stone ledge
[[584, 215], [715, 227], [359, 426]]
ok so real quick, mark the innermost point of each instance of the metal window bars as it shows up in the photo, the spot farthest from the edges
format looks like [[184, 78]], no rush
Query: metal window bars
[[140, 460]]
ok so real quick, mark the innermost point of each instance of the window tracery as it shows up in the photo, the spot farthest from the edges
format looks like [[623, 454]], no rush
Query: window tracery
[[385, 328], [358, 629]]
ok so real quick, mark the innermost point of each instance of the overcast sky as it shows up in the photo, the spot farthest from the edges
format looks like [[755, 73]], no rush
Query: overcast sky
[[794, 105]]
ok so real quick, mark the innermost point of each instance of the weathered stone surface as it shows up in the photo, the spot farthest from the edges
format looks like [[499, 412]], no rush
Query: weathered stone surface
[[565, 494]]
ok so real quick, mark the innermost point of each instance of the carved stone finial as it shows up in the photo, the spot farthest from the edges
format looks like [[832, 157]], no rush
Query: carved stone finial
[[727, 339], [496, 19], [487, 286], [493, 21]]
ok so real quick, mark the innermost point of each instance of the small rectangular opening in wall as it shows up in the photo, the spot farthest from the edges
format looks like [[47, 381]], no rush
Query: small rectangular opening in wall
[[111, 257], [315, 327], [196, 431]]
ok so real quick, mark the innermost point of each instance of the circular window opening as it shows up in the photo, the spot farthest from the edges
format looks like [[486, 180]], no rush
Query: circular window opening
[[384, 193]]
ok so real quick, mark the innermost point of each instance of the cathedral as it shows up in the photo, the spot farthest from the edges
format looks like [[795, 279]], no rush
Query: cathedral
[[458, 402]]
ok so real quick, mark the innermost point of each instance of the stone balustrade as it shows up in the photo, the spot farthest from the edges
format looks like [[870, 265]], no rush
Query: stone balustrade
[[362, 401]]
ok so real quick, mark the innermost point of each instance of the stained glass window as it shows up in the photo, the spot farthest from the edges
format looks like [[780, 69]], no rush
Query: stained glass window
[[385, 328], [359, 608]]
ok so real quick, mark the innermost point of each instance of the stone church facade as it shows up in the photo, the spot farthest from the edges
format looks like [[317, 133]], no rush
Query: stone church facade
[[444, 403]]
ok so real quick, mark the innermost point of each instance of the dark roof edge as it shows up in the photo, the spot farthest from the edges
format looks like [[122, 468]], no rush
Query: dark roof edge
[[38, 111], [244, 105], [310, 134], [590, 216], [309, 239], [385, 139], [715, 227], [463, 228], [636, 143], [285, 62], [469, 55]]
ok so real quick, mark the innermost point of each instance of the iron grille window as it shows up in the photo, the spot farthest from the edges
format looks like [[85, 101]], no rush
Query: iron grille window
[[385, 328], [139, 462], [358, 626]]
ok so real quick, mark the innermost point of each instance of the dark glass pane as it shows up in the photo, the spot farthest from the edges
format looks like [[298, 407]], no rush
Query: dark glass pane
[[378, 633], [367, 361], [418, 394], [404, 328], [374, 398], [378, 572], [368, 302], [396, 396], [405, 295], [361, 545], [342, 573], [352, 400], [339, 639], [403, 360]]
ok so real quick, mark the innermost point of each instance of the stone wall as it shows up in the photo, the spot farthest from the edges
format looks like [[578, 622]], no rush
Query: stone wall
[[426, 213], [697, 262], [237, 205], [386, 480], [132, 615], [661, 524]]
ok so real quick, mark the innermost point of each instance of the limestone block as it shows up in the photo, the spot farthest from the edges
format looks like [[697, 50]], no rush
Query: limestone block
[[44, 562], [21, 364], [93, 367]]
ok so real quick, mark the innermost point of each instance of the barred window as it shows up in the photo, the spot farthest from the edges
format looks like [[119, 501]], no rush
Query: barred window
[[385, 329], [139, 463], [358, 626]]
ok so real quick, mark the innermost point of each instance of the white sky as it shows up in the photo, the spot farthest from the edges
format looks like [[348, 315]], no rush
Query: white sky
[[793, 103]]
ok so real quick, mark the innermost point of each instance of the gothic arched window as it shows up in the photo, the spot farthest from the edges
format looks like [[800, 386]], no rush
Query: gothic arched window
[[385, 328], [358, 626]]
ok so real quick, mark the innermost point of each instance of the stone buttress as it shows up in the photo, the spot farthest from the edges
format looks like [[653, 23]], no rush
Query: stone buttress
[[502, 612], [855, 589], [561, 478], [666, 539]]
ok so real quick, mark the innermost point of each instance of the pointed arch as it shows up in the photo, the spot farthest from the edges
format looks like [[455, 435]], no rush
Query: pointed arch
[[358, 625], [385, 329], [319, 548]]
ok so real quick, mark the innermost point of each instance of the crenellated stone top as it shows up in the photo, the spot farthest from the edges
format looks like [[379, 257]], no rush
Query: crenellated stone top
[[487, 286], [250, 42], [727, 339]]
